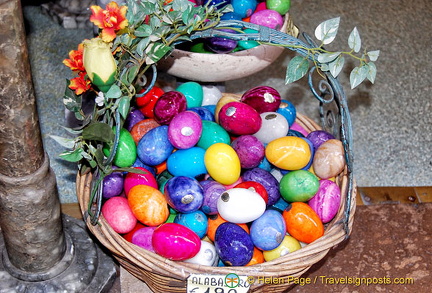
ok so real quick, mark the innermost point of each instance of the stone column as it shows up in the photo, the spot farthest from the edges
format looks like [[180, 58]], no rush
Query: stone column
[[42, 250]]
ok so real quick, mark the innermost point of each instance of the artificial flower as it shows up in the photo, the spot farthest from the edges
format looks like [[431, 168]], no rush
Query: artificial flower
[[110, 20], [99, 63], [75, 61], [80, 84], [100, 99]]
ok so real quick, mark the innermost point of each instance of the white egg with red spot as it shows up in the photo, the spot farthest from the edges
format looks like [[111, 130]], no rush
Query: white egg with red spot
[[240, 205]]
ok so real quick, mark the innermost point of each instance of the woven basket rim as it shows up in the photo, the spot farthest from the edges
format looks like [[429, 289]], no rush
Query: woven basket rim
[[292, 264]]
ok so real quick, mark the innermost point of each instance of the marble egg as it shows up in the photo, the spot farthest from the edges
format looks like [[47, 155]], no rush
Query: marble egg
[[317, 137], [146, 102], [265, 178], [148, 205], [119, 215], [281, 6], [289, 244], [268, 231], [214, 221], [188, 162], [142, 127], [206, 256], [203, 112], [175, 241], [254, 186], [233, 244], [257, 257], [112, 184], [184, 194], [326, 201], [302, 222], [143, 237], [288, 153], [193, 93], [225, 99], [244, 7], [268, 18], [299, 185], [145, 178], [288, 110], [196, 221], [212, 133], [240, 205], [239, 118], [168, 105], [134, 116], [212, 191], [249, 149], [222, 163], [211, 94], [329, 159], [126, 152], [262, 99], [220, 45], [273, 126], [154, 147], [184, 130]]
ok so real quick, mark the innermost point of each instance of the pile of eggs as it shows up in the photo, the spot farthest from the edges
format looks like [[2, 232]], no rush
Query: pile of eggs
[[221, 179], [269, 13]]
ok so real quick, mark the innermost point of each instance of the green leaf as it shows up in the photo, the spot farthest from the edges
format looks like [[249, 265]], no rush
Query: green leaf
[[123, 106], [156, 52], [98, 131], [132, 73], [297, 68], [354, 41], [327, 30], [358, 74], [71, 101], [372, 70], [72, 156], [68, 143], [114, 92], [142, 45], [327, 57], [336, 66], [143, 31], [373, 55]]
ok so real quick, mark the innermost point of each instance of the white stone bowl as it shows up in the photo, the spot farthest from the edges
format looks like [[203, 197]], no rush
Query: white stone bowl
[[203, 67]]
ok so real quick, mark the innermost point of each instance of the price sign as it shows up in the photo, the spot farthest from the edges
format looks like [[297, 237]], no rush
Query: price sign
[[230, 283]]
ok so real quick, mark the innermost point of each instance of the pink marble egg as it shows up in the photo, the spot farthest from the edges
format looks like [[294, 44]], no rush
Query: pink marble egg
[[239, 118], [267, 17], [326, 201], [329, 159], [119, 215], [143, 237], [185, 130], [132, 179], [175, 241]]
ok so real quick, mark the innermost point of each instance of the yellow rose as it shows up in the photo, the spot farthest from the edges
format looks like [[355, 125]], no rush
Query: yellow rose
[[99, 63]]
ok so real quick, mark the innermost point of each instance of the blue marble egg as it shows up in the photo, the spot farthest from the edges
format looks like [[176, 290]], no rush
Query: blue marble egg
[[154, 147], [187, 162], [280, 205], [212, 192], [269, 182], [196, 221], [203, 112], [233, 244], [244, 8], [184, 194], [288, 110], [139, 163], [268, 231]]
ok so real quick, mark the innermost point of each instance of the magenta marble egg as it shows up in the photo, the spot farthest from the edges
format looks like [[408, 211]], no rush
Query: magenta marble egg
[[175, 241], [262, 99], [146, 178], [326, 201], [273, 126], [239, 118], [185, 130], [119, 215], [249, 149], [143, 237], [269, 18], [169, 105]]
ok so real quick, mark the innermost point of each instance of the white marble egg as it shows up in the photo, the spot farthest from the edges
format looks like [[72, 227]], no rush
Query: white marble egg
[[212, 94], [206, 256], [273, 126], [240, 205]]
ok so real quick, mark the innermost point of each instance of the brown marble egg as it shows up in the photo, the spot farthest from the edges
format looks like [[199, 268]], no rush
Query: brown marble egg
[[329, 159]]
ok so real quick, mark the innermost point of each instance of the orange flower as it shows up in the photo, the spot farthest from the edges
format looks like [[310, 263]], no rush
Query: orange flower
[[110, 20], [80, 84], [75, 61]]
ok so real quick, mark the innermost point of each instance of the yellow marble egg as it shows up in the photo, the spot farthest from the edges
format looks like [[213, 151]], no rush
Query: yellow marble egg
[[225, 99], [289, 244], [288, 153], [222, 163]]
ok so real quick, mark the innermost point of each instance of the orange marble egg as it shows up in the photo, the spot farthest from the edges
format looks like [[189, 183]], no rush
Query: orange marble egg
[[302, 222], [288, 153], [257, 257], [148, 205], [141, 128]]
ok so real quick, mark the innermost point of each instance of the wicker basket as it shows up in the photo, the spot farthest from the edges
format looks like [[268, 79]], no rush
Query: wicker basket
[[164, 275]]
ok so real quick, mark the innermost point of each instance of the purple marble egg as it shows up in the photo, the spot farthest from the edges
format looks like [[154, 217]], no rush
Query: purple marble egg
[[269, 182], [239, 118], [250, 151], [184, 194], [112, 184], [326, 200], [262, 99], [269, 18], [317, 137], [143, 238], [185, 130], [134, 116], [220, 45], [212, 191], [169, 105], [233, 244]]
